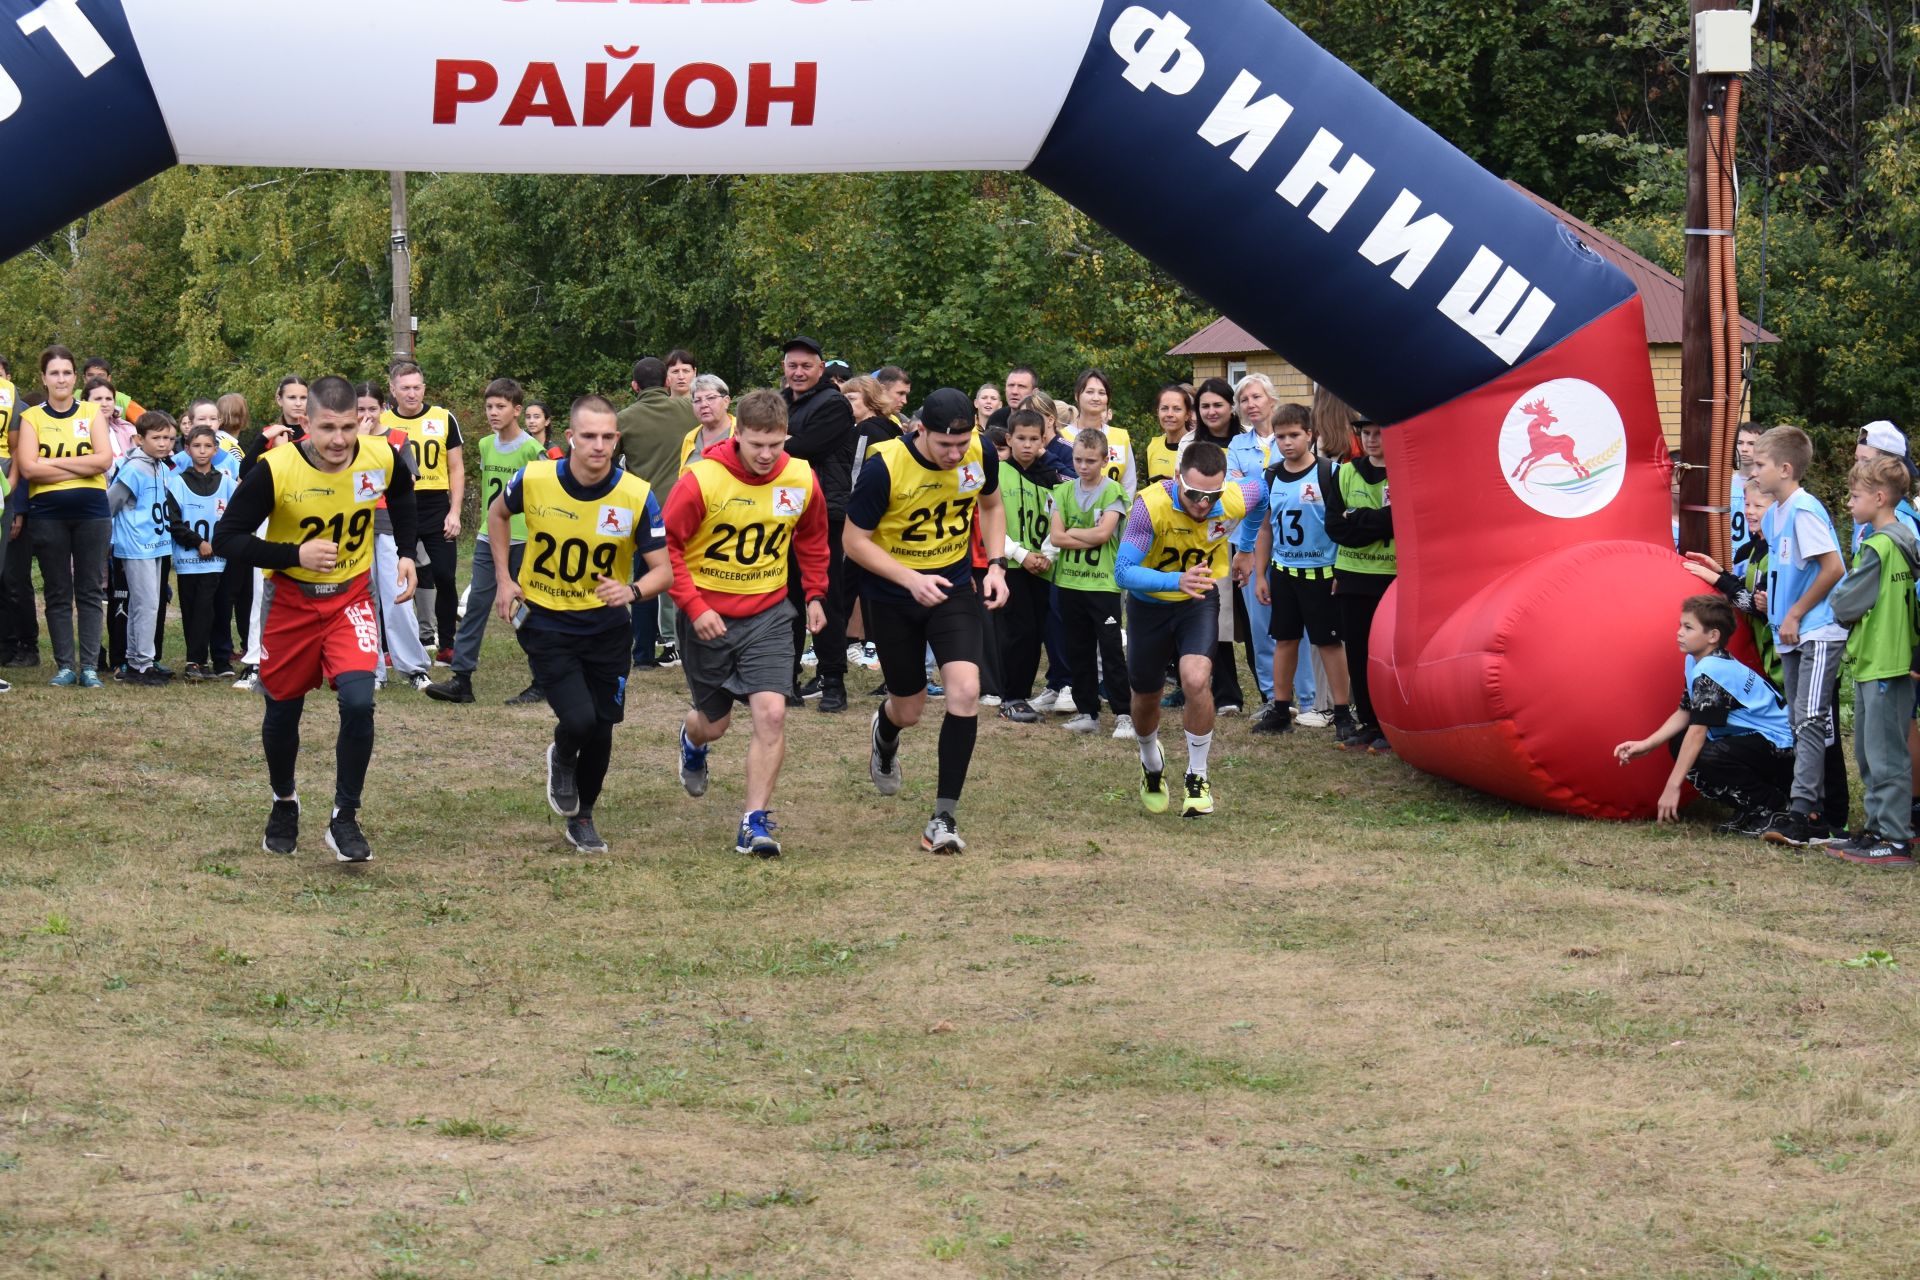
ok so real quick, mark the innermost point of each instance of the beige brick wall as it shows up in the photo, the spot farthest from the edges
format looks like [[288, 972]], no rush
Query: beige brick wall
[[1294, 385]]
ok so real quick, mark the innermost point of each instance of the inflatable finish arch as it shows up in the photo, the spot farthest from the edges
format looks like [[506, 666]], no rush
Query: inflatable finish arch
[[1531, 626]]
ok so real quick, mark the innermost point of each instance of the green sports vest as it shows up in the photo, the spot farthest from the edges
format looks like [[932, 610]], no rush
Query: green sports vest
[[1027, 508], [1762, 633], [1375, 557], [1091, 569], [497, 469], [1881, 644]]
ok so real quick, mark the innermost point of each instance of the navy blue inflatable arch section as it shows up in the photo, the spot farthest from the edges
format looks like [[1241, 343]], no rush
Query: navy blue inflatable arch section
[[1211, 135]]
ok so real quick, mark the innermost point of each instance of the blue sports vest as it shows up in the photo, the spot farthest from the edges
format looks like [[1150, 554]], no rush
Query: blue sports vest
[[1758, 707], [223, 462], [1299, 509], [140, 530], [200, 514], [1787, 581]]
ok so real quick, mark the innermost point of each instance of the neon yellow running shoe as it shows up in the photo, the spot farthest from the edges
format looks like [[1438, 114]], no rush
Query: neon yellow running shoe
[[1153, 789], [1198, 802]]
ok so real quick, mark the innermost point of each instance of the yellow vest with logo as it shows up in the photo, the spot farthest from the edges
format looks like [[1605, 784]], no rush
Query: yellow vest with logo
[[572, 544], [929, 519], [690, 451], [310, 505], [741, 546], [429, 433], [64, 438], [1180, 542], [9, 406]]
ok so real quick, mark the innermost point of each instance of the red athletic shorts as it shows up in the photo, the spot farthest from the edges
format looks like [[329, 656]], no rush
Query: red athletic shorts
[[309, 640]]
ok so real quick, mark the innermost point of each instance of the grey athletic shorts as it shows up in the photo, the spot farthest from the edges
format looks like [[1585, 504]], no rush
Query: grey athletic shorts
[[755, 656]]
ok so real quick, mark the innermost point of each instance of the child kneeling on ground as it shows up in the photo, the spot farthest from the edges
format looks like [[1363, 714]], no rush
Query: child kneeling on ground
[[1876, 601], [1737, 746]]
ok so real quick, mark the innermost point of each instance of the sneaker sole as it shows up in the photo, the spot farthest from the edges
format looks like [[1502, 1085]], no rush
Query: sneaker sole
[[586, 848], [762, 852], [1775, 838], [1859, 860], [944, 848], [553, 803], [266, 848], [341, 857], [695, 783]]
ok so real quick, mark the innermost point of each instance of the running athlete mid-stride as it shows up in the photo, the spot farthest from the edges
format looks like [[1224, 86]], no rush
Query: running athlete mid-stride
[[587, 522], [318, 617], [910, 528]]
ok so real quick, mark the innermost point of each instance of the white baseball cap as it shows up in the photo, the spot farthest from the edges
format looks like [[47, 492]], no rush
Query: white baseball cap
[[1884, 436]]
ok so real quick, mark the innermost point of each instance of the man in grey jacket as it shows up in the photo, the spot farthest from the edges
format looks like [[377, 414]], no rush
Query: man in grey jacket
[[651, 431]]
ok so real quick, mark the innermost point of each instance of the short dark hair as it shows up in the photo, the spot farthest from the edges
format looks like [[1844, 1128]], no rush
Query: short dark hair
[[333, 394], [505, 389], [155, 420], [591, 404], [203, 400], [649, 372], [194, 433], [1204, 456], [402, 368], [94, 384], [1027, 369], [890, 374], [1293, 415], [1026, 418], [96, 362], [1713, 613], [997, 436], [680, 355], [761, 410]]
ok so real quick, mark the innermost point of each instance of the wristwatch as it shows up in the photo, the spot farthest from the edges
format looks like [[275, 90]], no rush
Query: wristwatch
[[636, 591], [997, 562]]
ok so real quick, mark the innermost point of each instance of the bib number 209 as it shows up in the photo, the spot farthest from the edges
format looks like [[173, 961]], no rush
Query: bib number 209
[[567, 561]]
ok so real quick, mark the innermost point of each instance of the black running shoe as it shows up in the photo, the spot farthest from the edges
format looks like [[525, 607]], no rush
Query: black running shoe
[[669, 655], [531, 696], [457, 688], [345, 839], [833, 695], [1789, 829], [283, 827], [1277, 718], [813, 688], [563, 793], [582, 836]]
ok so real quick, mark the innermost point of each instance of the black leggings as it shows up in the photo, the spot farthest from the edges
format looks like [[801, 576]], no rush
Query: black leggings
[[1356, 623], [353, 749], [1090, 624], [1020, 629], [198, 594], [584, 678], [443, 559]]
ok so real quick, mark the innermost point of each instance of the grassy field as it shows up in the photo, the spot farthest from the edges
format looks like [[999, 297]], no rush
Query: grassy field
[[1360, 1024]]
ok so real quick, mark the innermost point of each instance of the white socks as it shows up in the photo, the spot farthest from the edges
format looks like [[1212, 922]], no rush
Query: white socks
[[1150, 758], [1197, 747]]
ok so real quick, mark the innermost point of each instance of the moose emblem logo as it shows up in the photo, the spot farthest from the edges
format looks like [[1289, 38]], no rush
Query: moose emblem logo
[[1563, 449]]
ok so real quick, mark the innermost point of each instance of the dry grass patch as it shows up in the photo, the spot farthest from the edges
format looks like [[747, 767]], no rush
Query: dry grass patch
[[1361, 1024]]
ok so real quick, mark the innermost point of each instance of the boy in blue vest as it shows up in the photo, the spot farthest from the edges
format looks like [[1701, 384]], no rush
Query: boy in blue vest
[[1296, 556], [1805, 566], [197, 497], [1876, 601], [1734, 738], [137, 499]]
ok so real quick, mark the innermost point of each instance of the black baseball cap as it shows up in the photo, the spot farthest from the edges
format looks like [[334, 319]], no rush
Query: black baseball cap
[[801, 343], [836, 363], [947, 412]]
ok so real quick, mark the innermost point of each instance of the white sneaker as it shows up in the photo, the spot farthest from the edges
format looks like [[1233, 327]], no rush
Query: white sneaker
[[1064, 706], [1227, 709], [1314, 719], [990, 699], [420, 680], [1045, 702], [248, 682], [1123, 729], [1082, 723], [855, 652], [869, 656]]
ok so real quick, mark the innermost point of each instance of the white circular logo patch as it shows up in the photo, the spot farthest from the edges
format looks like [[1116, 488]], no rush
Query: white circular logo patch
[[1563, 449]]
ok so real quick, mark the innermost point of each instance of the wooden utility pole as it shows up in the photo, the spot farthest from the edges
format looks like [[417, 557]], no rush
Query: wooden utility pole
[[402, 270], [1696, 337]]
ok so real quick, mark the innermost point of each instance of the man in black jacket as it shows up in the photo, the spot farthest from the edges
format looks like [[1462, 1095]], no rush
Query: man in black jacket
[[820, 432]]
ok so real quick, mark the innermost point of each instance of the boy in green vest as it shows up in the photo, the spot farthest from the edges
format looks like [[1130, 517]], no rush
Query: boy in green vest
[[1360, 520], [1876, 600], [502, 455], [1084, 526], [1026, 486]]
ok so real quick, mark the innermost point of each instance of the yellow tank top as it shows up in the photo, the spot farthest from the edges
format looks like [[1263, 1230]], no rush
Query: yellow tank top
[[741, 547], [929, 519], [1162, 460], [310, 504], [64, 438], [572, 544], [429, 433], [1181, 542], [8, 407], [1119, 454]]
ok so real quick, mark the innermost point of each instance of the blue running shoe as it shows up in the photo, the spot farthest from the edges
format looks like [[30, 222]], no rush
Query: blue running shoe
[[65, 678], [90, 679], [756, 835], [693, 766]]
